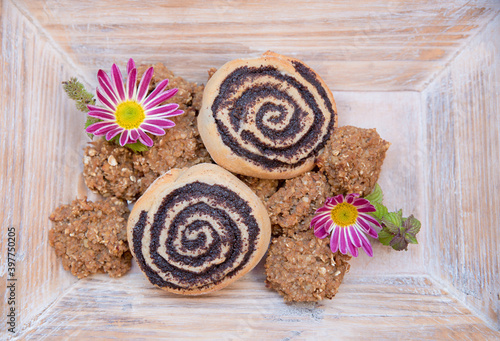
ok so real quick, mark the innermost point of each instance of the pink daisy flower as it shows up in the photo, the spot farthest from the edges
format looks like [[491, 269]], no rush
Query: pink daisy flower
[[346, 221], [128, 111]]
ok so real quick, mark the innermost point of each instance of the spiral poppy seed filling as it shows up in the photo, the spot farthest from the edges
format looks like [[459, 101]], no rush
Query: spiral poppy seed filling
[[311, 77], [273, 119], [199, 235]]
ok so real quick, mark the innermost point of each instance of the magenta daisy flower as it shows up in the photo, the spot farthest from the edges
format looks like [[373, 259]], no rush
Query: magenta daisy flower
[[128, 110], [346, 221]]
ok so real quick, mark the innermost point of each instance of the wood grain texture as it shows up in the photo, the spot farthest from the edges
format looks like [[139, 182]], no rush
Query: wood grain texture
[[462, 109], [372, 45], [385, 308], [40, 143], [362, 45]]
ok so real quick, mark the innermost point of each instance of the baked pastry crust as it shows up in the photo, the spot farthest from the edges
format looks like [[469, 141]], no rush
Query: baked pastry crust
[[352, 160], [267, 117], [197, 230], [292, 207], [91, 237], [301, 267]]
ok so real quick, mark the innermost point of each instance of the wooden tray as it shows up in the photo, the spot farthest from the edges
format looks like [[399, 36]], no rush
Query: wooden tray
[[424, 73]]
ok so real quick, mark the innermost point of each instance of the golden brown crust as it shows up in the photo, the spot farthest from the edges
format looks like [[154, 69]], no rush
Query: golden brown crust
[[302, 268], [352, 160], [175, 180], [90, 237], [279, 164]]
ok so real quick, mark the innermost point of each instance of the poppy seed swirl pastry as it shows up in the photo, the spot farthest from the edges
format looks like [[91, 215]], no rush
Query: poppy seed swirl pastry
[[267, 117], [197, 230]]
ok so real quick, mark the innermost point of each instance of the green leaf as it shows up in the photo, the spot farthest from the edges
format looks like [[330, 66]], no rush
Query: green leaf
[[396, 230], [411, 238], [376, 196], [385, 237], [399, 243], [380, 212], [137, 147], [116, 139], [393, 221], [395, 218], [90, 121], [412, 225], [390, 227]]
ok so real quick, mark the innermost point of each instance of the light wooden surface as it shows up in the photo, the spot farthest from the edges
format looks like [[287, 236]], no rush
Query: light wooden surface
[[450, 51], [366, 308], [462, 109], [355, 45], [40, 144]]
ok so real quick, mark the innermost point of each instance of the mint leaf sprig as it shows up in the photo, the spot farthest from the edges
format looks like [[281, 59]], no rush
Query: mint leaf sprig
[[376, 197], [397, 231]]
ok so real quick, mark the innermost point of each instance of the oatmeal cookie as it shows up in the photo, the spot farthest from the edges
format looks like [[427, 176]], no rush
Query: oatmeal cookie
[[264, 188], [91, 237], [292, 207], [352, 160], [211, 72], [302, 268], [109, 170]]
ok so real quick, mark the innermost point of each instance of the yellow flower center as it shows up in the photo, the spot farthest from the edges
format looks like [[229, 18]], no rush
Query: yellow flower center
[[344, 214], [129, 115]]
